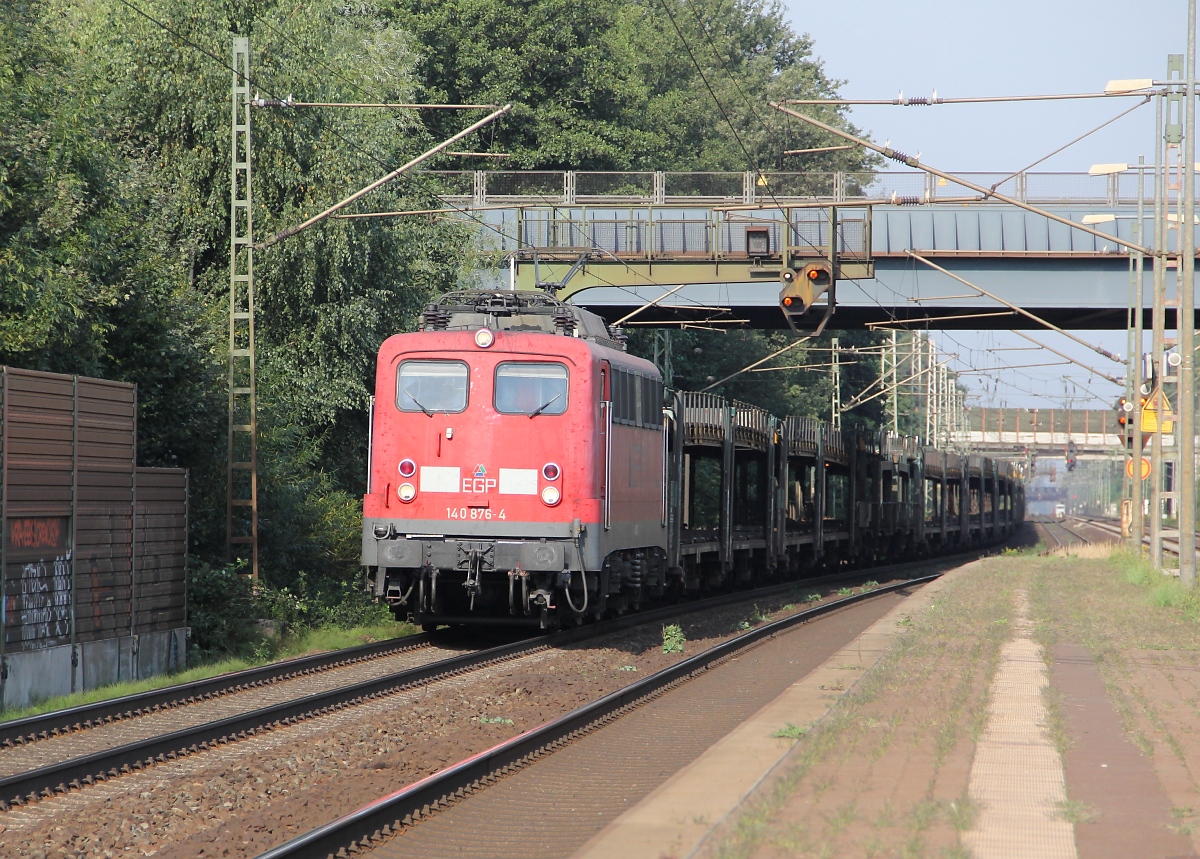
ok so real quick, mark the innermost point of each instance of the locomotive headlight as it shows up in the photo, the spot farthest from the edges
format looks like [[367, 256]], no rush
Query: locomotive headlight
[[550, 471], [406, 492], [551, 495], [484, 338], [407, 468]]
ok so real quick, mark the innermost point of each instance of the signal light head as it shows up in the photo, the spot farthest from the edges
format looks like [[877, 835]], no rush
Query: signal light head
[[407, 468], [406, 492], [814, 273], [484, 338]]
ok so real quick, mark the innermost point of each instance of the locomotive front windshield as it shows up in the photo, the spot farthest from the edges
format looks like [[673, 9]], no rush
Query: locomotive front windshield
[[432, 386], [531, 389]]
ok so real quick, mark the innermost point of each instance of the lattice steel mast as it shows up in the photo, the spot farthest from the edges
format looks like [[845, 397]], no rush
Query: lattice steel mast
[[241, 484]]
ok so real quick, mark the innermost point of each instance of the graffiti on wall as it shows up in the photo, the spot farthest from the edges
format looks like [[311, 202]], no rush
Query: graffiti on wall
[[36, 610]]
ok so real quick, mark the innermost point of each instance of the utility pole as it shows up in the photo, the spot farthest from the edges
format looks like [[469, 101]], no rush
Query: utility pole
[[891, 377], [1138, 301], [241, 483], [1158, 335], [835, 397], [1186, 310]]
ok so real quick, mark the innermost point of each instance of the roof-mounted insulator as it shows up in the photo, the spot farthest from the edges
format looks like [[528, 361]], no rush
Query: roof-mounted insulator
[[259, 101]]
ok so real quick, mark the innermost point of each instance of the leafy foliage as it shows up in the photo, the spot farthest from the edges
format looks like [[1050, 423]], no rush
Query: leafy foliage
[[673, 638], [114, 196]]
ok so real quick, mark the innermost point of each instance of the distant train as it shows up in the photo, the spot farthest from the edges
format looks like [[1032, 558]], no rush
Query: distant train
[[523, 469]]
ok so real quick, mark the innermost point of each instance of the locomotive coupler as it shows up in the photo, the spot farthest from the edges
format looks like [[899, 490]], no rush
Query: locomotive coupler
[[541, 598]]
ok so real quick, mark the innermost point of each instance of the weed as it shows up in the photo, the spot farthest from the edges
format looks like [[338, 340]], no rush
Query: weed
[[845, 592], [627, 668], [1076, 812], [841, 818], [870, 583], [793, 839], [884, 819], [758, 615], [914, 848], [957, 851], [673, 639], [961, 813], [923, 814], [790, 732], [495, 720], [736, 626], [788, 606], [813, 598], [821, 785]]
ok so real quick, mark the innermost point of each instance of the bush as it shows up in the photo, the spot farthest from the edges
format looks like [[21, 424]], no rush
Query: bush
[[225, 607]]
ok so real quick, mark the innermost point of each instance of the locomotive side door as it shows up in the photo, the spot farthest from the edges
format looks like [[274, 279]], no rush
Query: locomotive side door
[[604, 449]]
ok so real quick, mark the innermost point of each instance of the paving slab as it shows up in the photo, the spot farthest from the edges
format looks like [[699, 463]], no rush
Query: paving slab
[[1127, 811], [1017, 782], [675, 819]]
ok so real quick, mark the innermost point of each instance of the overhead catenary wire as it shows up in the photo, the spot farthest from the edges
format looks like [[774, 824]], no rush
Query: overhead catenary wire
[[935, 99], [1039, 320], [757, 363], [1066, 146], [411, 178], [910, 161], [378, 183], [1087, 367]]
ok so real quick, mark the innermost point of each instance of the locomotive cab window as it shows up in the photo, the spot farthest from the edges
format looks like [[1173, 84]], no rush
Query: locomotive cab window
[[531, 389], [432, 386]]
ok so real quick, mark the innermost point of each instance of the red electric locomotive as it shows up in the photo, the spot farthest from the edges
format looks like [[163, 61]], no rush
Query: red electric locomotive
[[516, 465]]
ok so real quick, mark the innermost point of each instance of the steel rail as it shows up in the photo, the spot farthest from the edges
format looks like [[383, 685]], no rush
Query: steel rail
[[78, 772], [377, 820], [58, 722]]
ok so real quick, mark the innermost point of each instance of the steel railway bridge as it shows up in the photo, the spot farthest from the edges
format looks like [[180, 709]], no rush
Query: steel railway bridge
[[708, 248]]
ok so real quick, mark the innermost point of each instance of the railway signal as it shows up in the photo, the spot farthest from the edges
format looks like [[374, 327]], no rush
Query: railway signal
[[1124, 408], [1072, 456], [802, 287]]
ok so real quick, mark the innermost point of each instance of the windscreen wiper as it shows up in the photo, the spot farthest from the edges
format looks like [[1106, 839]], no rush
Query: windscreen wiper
[[418, 402], [545, 405]]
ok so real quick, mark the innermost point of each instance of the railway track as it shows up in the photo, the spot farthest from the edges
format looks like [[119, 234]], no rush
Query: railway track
[[59, 722], [1060, 534], [373, 825], [1108, 526], [75, 765]]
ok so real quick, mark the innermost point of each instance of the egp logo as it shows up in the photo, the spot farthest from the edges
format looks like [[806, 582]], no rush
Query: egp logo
[[478, 483]]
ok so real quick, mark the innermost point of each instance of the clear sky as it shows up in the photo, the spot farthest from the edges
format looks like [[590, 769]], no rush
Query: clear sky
[[1012, 47]]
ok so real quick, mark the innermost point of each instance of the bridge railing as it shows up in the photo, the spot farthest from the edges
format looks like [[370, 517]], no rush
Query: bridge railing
[[668, 188]]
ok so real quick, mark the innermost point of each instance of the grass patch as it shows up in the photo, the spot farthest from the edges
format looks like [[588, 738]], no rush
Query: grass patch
[[309, 641]]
